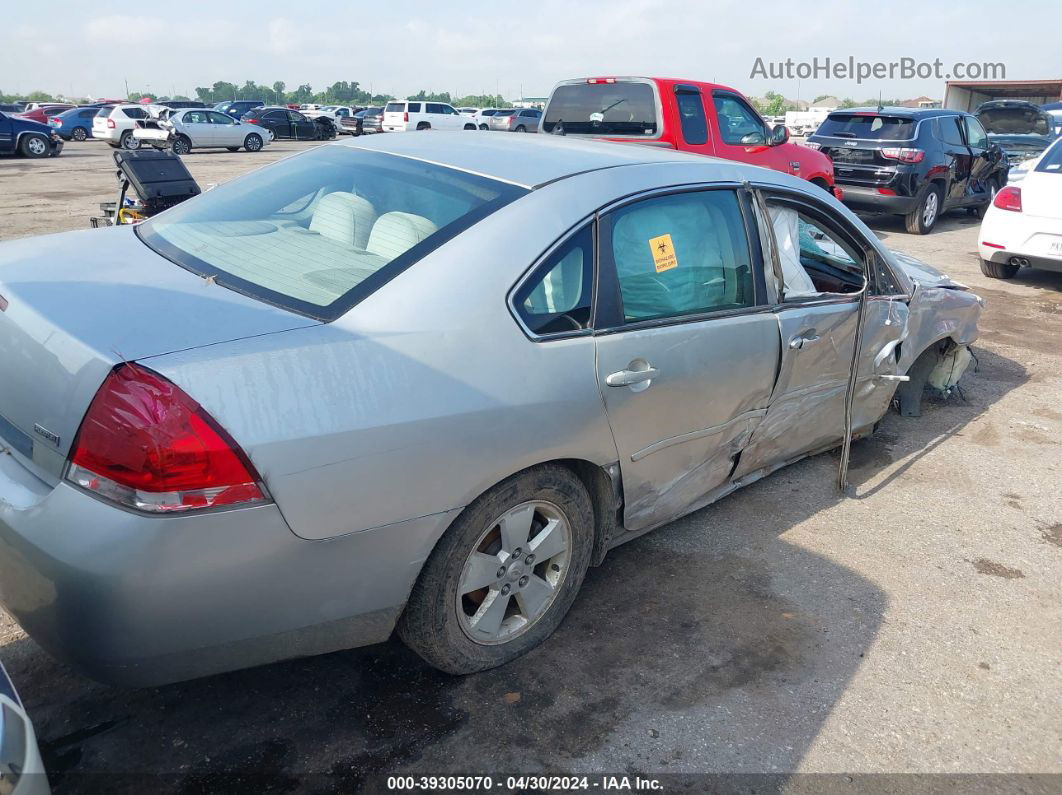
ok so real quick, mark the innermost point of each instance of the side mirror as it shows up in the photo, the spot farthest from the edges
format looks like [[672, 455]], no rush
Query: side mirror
[[778, 135], [752, 139]]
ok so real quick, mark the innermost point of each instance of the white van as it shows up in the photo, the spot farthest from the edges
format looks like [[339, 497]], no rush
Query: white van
[[401, 116]]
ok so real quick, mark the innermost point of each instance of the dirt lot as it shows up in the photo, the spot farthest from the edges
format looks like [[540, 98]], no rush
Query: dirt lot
[[916, 626]]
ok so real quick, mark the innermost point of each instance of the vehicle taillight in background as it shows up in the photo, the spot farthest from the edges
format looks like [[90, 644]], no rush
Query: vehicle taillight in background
[[110, 123], [904, 155], [147, 445], [1008, 198], [405, 116], [55, 121]]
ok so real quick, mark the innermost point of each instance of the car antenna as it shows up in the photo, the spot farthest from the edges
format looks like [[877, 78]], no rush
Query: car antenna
[[880, 106]]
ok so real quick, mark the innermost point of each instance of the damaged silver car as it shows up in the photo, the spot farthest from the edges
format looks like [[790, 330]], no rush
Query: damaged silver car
[[304, 409]]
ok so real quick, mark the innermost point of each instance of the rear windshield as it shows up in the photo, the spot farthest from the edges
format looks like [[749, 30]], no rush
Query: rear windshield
[[868, 126], [395, 107], [1051, 160], [319, 232], [603, 109]]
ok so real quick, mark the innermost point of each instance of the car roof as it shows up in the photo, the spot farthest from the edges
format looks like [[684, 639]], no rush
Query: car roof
[[526, 160], [892, 110]]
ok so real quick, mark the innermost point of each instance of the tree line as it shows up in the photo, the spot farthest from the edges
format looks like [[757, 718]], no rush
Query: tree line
[[774, 104], [339, 93]]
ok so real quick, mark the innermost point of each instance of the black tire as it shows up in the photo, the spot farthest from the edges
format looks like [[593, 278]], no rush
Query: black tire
[[822, 184], [484, 127], [182, 145], [129, 141], [252, 143], [423, 126], [34, 145], [79, 134], [929, 206], [470, 126], [998, 270], [430, 624], [521, 128]]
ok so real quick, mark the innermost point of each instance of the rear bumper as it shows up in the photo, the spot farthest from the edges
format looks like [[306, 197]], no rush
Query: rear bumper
[[1035, 240], [869, 200], [142, 600]]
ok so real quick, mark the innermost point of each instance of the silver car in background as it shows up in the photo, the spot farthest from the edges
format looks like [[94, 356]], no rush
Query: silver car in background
[[200, 128], [522, 120], [302, 410]]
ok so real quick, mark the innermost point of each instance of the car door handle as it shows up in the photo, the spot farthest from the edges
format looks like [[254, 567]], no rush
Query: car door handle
[[629, 377], [803, 340]]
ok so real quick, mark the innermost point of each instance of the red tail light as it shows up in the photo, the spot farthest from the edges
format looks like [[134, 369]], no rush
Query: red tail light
[[252, 121], [110, 123], [147, 445], [904, 155], [1008, 198], [405, 116]]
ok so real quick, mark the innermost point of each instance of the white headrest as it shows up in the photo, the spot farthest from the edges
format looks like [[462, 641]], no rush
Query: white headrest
[[345, 218], [396, 233]]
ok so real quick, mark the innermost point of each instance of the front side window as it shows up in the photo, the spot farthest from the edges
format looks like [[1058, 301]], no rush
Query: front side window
[[296, 116], [682, 254], [816, 260], [433, 107], [736, 120], [195, 117], [691, 117], [976, 136], [318, 232], [557, 296]]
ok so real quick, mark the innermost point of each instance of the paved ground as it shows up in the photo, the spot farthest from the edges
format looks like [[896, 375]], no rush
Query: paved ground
[[913, 627]]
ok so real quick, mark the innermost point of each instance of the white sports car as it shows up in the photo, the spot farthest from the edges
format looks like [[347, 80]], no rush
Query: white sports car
[[1023, 226]]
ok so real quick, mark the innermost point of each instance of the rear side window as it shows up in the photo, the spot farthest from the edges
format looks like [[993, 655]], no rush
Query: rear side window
[[557, 296], [135, 113], [950, 132], [680, 255], [414, 107], [868, 126], [621, 108], [104, 113], [432, 107], [691, 117]]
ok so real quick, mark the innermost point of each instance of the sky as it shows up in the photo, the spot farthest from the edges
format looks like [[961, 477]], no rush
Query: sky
[[474, 46]]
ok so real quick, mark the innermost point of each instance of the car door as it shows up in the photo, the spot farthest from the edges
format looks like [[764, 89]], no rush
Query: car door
[[692, 121], [687, 349], [957, 156], [277, 122], [740, 134], [820, 263], [7, 134], [983, 156], [197, 126], [302, 128], [225, 129]]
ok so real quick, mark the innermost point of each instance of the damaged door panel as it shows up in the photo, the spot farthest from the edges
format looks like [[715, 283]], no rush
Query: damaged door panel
[[688, 367]]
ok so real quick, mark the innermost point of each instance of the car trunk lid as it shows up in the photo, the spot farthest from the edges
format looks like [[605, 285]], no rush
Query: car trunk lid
[[74, 305]]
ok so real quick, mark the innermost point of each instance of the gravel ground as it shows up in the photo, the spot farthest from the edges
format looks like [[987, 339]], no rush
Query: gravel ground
[[913, 627]]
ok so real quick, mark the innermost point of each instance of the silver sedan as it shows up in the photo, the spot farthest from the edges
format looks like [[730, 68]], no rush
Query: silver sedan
[[303, 410], [199, 128]]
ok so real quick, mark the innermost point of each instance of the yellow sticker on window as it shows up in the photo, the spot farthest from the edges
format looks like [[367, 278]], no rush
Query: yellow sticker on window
[[663, 253]]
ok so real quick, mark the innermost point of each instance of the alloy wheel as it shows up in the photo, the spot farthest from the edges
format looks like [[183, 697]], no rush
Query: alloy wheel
[[929, 213], [514, 572], [37, 145]]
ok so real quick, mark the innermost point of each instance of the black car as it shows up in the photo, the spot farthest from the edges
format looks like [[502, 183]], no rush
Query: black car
[[364, 122], [287, 123], [237, 108], [1023, 130], [914, 163], [28, 138]]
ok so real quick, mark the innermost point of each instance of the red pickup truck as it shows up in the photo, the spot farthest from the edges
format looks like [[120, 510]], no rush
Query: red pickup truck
[[690, 115]]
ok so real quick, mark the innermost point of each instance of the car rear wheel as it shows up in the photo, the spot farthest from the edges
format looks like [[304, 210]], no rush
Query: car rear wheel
[[33, 145], [129, 141], [922, 219], [253, 143], [423, 126], [504, 575], [79, 133], [182, 145], [521, 128], [998, 270], [470, 126], [484, 127]]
